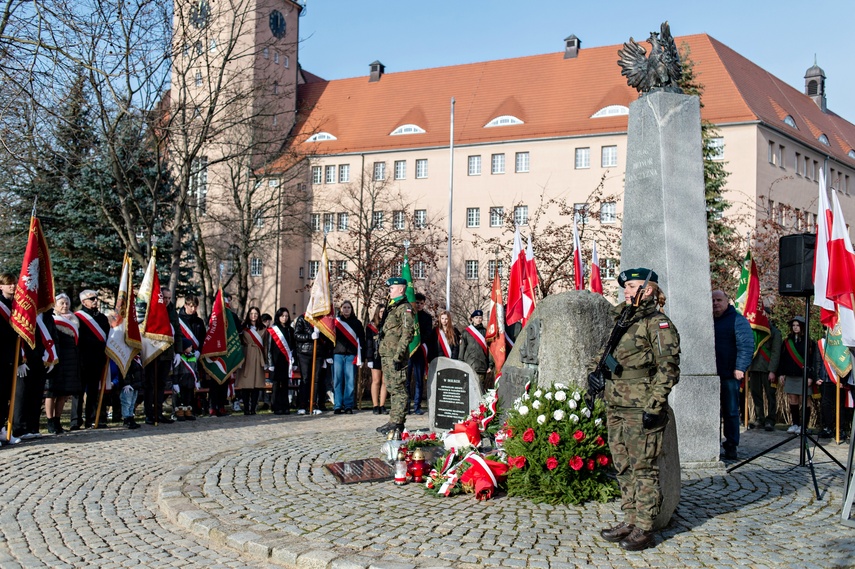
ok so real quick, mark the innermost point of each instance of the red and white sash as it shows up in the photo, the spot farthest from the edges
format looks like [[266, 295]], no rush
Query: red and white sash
[[508, 340], [443, 342], [68, 324], [5, 311], [188, 368], [49, 357], [92, 324], [351, 337], [256, 337], [188, 333], [479, 338]]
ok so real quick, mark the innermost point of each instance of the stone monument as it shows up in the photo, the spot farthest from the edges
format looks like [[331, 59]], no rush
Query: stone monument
[[665, 229], [453, 391]]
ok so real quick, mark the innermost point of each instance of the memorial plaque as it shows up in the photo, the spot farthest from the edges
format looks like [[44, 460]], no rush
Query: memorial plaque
[[363, 470], [453, 391]]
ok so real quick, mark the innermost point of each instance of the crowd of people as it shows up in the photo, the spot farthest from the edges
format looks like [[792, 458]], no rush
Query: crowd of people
[[69, 362]]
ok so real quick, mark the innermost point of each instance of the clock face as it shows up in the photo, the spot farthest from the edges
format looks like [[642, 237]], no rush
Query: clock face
[[200, 13], [277, 23]]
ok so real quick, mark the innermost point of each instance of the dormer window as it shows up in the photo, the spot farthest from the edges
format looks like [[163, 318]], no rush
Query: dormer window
[[611, 111], [851, 154], [823, 139], [407, 129], [789, 121], [321, 137], [504, 120]]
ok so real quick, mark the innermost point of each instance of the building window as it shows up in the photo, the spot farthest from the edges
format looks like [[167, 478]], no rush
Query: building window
[[814, 170], [340, 269], [287, 62], [504, 120], [407, 129], [823, 140], [266, 53], [321, 137], [492, 266], [521, 215], [329, 222], [420, 218], [343, 219], [583, 158], [379, 171], [473, 217], [797, 164], [276, 57], [608, 212], [398, 220], [497, 164], [772, 154], [258, 218], [255, 267], [398, 270], [275, 87], [580, 213], [301, 274], [377, 220], [522, 162], [472, 270], [344, 173], [331, 175], [609, 157], [199, 184], [400, 169], [419, 270], [421, 168], [716, 148], [317, 174], [198, 78], [212, 46], [608, 269], [497, 216], [474, 165], [780, 155], [314, 267], [315, 222]]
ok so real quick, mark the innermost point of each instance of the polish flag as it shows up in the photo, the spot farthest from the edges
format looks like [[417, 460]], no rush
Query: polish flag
[[530, 283], [596, 280], [515, 311], [828, 309], [841, 261], [578, 276]]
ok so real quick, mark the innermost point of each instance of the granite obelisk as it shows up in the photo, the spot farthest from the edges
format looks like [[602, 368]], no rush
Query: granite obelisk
[[665, 228]]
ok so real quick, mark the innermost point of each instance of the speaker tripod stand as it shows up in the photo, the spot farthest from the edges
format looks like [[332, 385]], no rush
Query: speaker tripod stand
[[805, 455]]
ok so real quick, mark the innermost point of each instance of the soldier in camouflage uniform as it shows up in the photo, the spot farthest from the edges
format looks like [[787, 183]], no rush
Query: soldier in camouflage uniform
[[396, 333], [637, 407]]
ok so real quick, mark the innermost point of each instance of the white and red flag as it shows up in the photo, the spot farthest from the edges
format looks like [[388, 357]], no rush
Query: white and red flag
[[596, 279], [124, 341], [515, 312], [34, 292], [824, 217], [496, 327], [157, 332], [841, 261], [320, 312], [530, 283], [578, 275]]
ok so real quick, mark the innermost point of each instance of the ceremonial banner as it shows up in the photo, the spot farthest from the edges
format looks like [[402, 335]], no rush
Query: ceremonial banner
[[416, 342], [157, 333], [222, 353], [124, 342], [34, 292], [320, 312], [596, 278], [530, 283], [516, 279], [749, 304], [496, 327]]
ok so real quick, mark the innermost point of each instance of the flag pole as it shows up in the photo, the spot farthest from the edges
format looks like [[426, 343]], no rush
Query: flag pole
[[14, 386], [837, 411], [103, 388], [450, 210]]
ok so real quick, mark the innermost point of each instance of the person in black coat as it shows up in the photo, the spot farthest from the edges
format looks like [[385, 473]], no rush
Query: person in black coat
[[445, 338], [305, 336], [280, 353], [94, 329], [193, 329]]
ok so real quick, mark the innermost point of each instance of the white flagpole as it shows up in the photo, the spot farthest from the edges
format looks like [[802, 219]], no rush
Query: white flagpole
[[450, 208]]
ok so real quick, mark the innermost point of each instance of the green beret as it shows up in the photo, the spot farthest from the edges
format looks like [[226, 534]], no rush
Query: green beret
[[396, 281], [639, 274]]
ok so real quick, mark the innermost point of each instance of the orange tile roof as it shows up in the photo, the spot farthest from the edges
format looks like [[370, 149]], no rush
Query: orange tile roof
[[552, 95]]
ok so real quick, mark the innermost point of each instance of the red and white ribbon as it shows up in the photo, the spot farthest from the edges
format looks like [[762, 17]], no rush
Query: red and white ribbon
[[351, 337], [49, 357], [5, 311], [256, 338], [188, 369], [443, 342], [92, 324], [279, 339], [65, 322], [478, 336], [188, 333]]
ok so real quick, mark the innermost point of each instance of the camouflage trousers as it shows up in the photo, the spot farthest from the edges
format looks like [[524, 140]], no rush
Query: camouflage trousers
[[634, 451], [399, 395]]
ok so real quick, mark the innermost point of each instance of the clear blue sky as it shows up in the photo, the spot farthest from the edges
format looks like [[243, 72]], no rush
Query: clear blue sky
[[341, 37]]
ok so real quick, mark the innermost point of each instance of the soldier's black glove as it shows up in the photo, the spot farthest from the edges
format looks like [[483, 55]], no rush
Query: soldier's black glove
[[651, 420], [596, 383], [399, 366]]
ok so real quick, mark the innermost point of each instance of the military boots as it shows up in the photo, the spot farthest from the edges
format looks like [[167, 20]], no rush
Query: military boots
[[384, 430], [617, 533], [637, 540]]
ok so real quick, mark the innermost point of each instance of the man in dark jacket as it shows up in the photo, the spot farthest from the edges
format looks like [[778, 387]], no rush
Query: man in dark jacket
[[305, 335], [418, 360], [92, 343], [473, 347], [734, 348], [193, 329]]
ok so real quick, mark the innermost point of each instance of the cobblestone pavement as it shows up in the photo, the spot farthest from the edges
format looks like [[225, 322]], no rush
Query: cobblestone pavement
[[252, 492]]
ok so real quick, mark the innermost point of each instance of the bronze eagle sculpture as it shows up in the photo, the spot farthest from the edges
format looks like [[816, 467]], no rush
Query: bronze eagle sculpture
[[660, 71]]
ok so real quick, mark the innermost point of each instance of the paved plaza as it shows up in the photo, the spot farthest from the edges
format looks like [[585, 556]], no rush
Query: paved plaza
[[252, 492]]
